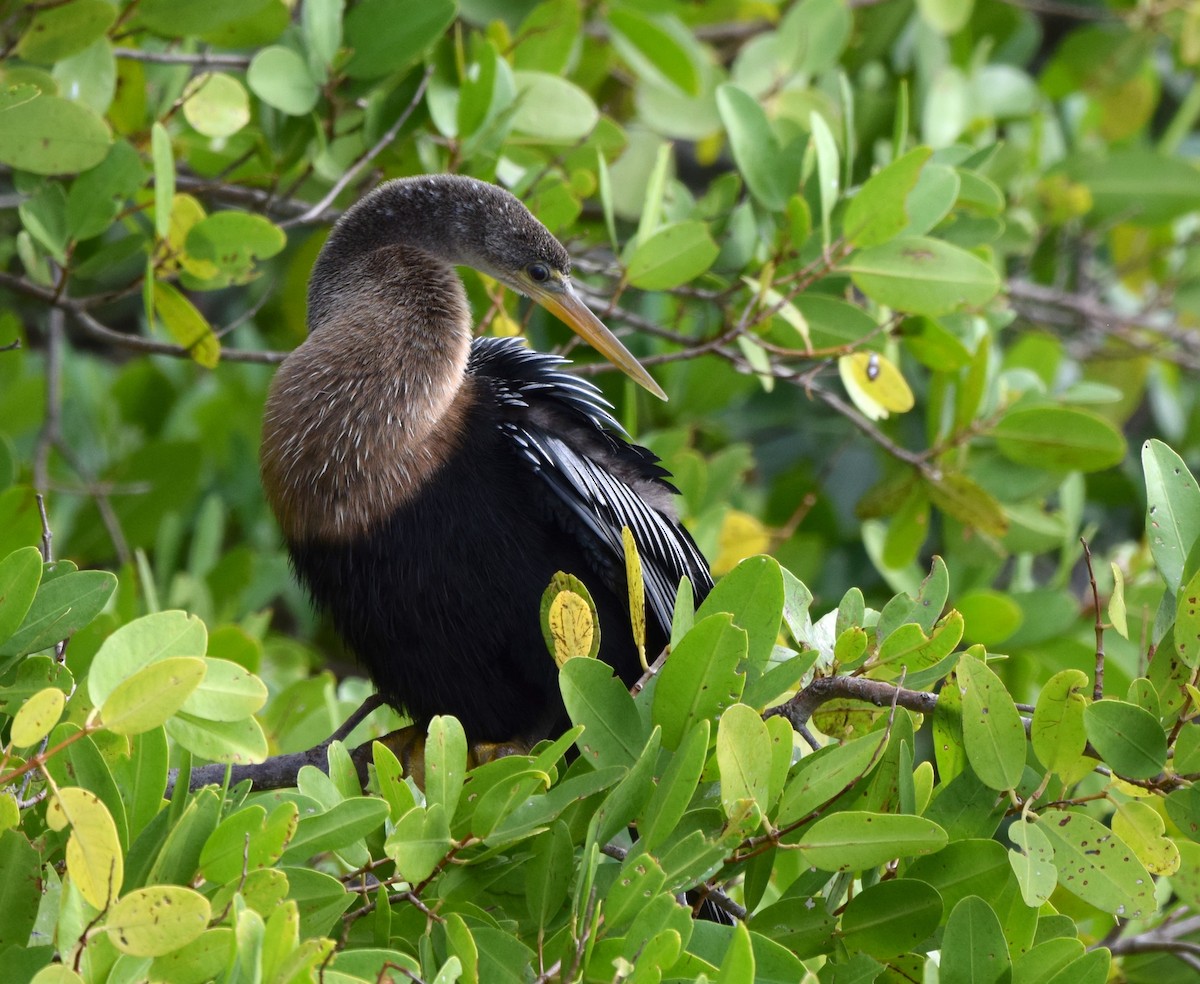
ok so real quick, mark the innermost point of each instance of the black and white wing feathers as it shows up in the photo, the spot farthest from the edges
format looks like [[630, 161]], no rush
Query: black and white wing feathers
[[561, 426]]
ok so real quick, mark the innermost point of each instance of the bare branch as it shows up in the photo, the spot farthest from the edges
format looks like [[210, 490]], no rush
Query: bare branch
[[200, 59]]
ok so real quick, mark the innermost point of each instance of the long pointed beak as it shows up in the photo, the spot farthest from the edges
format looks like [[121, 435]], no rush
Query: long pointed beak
[[569, 308]]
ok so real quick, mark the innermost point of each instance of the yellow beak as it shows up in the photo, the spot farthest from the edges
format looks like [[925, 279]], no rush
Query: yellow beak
[[567, 306]]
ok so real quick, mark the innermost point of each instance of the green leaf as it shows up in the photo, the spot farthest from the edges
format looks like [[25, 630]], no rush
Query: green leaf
[[1057, 732], [552, 109], [753, 592], [820, 777], [856, 840], [152, 921], [216, 104], [99, 194], [992, 730], [948, 17], [186, 325], [347, 822], [879, 211], [614, 733], [235, 742], [419, 842], [148, 698], [387, 36], [139, 643], [280, 78], [701, 679], [744, 759], [248, 840], [892, 917], [1172, 510], [1129, 739], [965, 500], [172, 19], [1059, 439], [1096, 865], [61, 607], [1141, 826], [56, 33], [738, 965], [20, 888], [772, 175], [656, 49], [20, 575], [163, 156], [445, 762], [52, 135], [233, 241], [922, 276], [1117, 191], [673, 255], [971, 866], [229, 692], [1032, 862], [674, 791], [908, 649], [548, 873], [974, 950]]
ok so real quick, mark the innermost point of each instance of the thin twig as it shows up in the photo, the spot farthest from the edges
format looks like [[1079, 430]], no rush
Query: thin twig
[[1098, 682]]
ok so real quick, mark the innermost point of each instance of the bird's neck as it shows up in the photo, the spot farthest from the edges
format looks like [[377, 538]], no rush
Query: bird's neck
[[371, 403]]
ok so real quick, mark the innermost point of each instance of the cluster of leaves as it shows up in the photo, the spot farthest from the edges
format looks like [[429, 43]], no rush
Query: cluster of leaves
[[858, 857], [916, 275]]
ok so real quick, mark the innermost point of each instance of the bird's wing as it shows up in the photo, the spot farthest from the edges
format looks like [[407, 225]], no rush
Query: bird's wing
[[562, 428]]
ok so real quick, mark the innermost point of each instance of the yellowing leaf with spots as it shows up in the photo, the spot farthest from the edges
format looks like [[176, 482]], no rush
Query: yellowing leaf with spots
[[875, 385], [94, 859], [571, 626], [569, 584], [157, 920], [637, 592], [1140, 826], [741, 536], [37, 716]]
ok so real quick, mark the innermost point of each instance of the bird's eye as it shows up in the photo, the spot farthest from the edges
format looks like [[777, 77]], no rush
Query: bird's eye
[[539, 273]]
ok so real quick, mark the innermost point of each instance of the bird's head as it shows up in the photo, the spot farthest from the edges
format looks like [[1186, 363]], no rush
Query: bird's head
[[473, 223]]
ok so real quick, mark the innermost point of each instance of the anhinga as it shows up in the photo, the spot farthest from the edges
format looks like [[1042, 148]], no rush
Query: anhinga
[[429, 486]]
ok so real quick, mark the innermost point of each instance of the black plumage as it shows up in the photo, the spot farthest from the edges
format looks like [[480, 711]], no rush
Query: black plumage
[[429, 487]]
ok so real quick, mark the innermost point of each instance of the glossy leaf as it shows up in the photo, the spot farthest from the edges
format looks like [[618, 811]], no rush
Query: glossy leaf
[[1172, 510], [674, 254], [974, 950]]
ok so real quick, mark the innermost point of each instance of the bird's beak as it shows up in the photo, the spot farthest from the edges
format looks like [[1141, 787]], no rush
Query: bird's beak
[[566, 305]]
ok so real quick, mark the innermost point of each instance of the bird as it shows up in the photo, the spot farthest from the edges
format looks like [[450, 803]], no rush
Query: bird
[[429, 484]]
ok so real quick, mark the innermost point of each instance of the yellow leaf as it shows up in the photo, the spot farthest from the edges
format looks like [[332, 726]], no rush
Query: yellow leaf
[[37, 716], [186, 212], [187, 325], [504, 325], [741, 536], [94, 859], [875, 385], [152, 921], [571, 626], [637, 592]]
